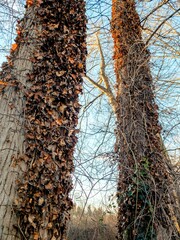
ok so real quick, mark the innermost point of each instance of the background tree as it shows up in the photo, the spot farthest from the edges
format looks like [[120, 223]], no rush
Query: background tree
[[94, 165], [148, 204], [40, 85]]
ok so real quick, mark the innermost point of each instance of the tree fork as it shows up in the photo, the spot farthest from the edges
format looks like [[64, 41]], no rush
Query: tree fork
[[148, 207]]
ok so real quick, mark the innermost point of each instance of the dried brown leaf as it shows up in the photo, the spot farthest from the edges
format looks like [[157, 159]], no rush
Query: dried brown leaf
[[40, 201], [49, 186], [60, 73], [36, 236], [31, 220]]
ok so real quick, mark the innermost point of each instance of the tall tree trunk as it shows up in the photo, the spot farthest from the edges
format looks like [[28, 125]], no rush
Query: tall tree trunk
[[148, 207], [39, 105]]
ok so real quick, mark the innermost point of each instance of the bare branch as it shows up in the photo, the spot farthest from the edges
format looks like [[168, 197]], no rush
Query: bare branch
[[101, 88], [104, 77], [161, 24]]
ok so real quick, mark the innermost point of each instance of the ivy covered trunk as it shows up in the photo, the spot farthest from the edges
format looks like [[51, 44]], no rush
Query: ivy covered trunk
[[39, 108], [148, 207]]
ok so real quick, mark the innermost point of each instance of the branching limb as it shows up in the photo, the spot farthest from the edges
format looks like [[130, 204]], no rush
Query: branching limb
[[107, 90]]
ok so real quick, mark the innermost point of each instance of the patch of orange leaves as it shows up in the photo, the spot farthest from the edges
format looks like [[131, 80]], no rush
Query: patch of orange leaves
[[14, 46], [29, 2], [6, 84], [18, 32]]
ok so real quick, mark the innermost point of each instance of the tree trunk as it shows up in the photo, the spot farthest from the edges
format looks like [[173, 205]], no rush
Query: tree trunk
[[148, 207], [39, 105]]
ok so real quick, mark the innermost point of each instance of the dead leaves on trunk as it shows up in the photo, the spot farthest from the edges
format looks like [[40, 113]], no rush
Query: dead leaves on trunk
[[51, 116]]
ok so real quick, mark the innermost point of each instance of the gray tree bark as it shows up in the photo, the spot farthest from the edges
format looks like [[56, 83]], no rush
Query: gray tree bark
[[12, 128]]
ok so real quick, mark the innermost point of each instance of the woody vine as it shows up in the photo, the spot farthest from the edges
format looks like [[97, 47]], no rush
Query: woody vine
[[148, 203]]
